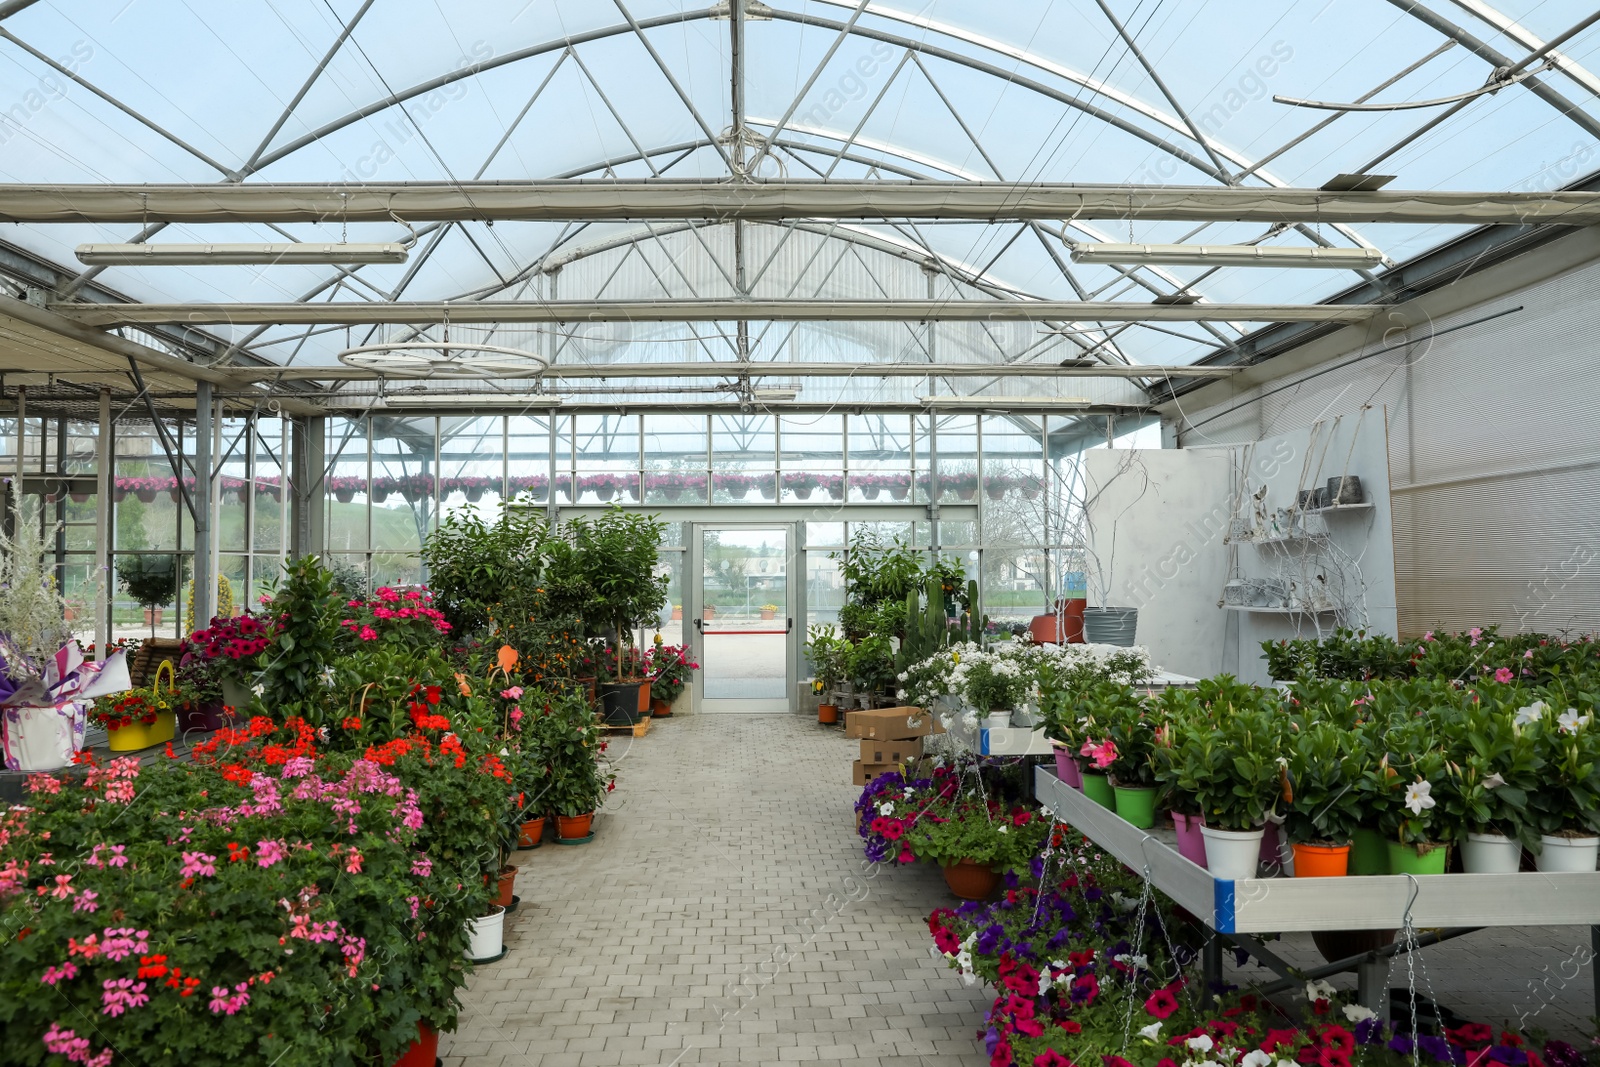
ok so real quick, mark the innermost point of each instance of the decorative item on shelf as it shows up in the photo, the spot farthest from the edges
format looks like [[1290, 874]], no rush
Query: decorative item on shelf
[[1344, 489], [1237, 592]]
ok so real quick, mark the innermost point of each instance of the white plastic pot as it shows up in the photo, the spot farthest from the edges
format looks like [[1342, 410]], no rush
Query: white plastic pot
[[997, 720], [1491, 854], [1568, 854], [486, 935], [1232, 854]]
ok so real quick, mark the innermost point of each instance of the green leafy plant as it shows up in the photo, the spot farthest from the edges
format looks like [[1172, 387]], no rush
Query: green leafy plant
[[869, 663], [827, 652], [971, 829], [617, 554], [1326, 767], [474, 565], [304, 616], [1230, 767], [579, 775]]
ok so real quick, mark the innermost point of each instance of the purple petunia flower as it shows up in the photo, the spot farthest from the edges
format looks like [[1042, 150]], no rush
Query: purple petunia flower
[[1439, 1048], [1400, 1044], [1511, 1057], [1368, 1031]]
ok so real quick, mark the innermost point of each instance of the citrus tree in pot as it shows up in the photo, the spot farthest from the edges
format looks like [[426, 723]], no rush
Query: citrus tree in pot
[[618, 554]]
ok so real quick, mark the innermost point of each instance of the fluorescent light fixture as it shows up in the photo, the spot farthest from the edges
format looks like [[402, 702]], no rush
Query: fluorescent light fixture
[[766, 395], [1005, 402], [103, 255], [1228, 256], [533, 401]]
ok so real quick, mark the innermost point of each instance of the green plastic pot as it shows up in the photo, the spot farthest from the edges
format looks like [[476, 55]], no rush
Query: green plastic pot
[[1136, 804], [1405, 859], [1097, 787], [1369, 853]]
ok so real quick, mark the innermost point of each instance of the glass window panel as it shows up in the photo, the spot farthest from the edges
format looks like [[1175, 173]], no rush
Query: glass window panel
[[674, 458], [954, 535], [402, 494], [743, 458], [921, 457], [561, 473], [607, 458], [232, 567], [345, 508], [824, 586], [957, 445], [670, 622], [231, 484], [143, 488], [812, 459], [880, 457], [396, 569], [1014, 582], [270, 514], [529, 457], [471, 470], [825, 535]]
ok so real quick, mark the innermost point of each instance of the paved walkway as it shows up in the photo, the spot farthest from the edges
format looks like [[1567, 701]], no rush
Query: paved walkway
[[726, 848]]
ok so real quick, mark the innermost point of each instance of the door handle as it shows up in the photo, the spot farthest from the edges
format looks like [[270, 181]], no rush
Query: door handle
[[699, 625], [790, 628]]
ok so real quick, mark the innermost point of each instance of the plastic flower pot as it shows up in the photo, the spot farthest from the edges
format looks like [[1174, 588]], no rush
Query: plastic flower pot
[[1272, 855], [659, 708], [1568, 854], [997, 720], [203, 717], [423, 1051], [1232, 854], [828, 713], [1369, 853], [1067, 768], [1491, 854], [1191, 842], [1407, 859], [969, 880], [137, 735], [644, 699], [1321, 861], [531, 833], [1111, 626], [620, 702], [573, 827], [486, 935], [1097, 787], [1136, 804], [508, 882]]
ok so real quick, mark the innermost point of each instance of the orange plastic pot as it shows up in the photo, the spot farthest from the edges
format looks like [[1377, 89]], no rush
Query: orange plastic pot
[[424, 1051], [827, 713], [659, 708], [971, 881], [531, 833], [572, 827], [1321, 861], [508, 881]]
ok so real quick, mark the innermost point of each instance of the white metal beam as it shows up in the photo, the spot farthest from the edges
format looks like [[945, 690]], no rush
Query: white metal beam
[[776, 369], [499, 311], [679, 199]]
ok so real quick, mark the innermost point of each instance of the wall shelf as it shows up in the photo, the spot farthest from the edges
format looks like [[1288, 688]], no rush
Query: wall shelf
[[1263, 610]]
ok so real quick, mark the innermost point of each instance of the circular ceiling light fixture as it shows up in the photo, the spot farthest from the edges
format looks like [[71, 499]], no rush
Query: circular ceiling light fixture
[[445, 359]]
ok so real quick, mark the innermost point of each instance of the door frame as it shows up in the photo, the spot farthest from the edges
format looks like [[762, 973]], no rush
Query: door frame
[[694, 591]]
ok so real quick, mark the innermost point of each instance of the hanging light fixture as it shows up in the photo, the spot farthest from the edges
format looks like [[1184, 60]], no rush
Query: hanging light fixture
[[338, 253], [1228, 256]]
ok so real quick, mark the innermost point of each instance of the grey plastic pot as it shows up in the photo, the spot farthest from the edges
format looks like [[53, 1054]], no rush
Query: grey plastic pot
[[1110, 626]]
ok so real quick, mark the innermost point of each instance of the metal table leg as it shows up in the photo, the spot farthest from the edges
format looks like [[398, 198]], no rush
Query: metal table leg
[[1211, 962], [1372, 985]]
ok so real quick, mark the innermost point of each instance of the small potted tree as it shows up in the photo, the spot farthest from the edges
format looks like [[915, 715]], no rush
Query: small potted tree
[[579, 775], [618, 554], [152, 581], [825, 650]]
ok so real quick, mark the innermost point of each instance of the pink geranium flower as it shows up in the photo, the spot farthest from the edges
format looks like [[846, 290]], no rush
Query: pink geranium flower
[[1504, 674]]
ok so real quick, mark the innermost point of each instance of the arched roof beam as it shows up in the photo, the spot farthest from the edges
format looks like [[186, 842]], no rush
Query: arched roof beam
[[1495, 58]]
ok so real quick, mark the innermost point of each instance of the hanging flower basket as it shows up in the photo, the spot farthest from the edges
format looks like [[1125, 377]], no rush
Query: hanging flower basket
[[146, 496]]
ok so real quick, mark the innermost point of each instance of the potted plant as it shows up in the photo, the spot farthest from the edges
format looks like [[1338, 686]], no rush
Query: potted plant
[[579, 776], [1566, 802], [617, 554], [993, 683], [826, 652], [1415, 779], [152, 581], [769, 612], [1132, 734], [1231, 769], [1494, 765], [869, 664], [1323, 806], [975, 841], [670, 668], [996, 485]]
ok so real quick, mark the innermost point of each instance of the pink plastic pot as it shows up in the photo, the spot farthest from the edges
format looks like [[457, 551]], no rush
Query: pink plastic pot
[[1191, 843], [1067, 769], [1270, 857]]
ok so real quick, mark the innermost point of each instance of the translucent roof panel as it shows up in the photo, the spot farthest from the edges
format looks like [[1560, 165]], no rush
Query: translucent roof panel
[[1115, 91]]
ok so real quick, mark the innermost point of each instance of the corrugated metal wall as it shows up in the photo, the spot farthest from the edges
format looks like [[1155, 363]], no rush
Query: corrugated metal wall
[[1494, 455]]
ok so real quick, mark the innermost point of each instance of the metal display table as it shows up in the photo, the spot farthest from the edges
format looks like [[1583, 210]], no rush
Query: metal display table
[[1446, 905]]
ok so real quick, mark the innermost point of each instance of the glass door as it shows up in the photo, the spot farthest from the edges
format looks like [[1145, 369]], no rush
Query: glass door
[[743, 624]]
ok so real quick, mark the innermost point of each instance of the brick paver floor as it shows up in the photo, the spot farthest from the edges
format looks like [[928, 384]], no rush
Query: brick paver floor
[[721, 915]]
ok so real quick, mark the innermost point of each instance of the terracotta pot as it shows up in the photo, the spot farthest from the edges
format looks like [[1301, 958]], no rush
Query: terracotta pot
[[971, 881], [677, 613], [768, 616], [508, 880], [572, 827], [827, 713], [708, 612], [1321, 861], [423, 1051], [659, 708], [531, 833]]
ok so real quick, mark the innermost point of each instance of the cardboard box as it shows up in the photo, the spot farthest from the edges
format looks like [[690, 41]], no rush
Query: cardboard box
[[891, 724], [902, 751], [866, 772]]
